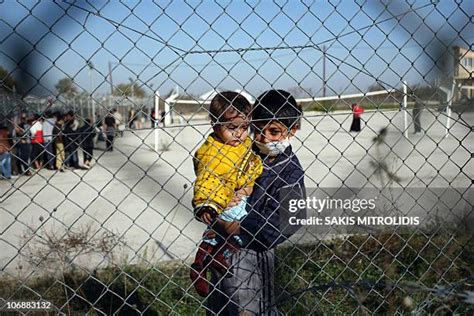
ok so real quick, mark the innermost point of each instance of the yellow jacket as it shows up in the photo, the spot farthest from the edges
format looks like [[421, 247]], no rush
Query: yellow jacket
[[223, 169]]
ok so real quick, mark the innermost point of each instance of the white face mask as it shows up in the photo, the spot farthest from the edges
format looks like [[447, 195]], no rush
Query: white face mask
[[273, 149]]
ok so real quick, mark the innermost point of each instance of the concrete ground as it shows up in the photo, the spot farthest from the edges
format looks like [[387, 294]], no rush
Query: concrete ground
[[145, 196]]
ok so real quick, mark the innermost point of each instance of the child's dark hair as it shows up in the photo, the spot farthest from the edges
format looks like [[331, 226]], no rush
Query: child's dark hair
[[228, 101], [277, 105]]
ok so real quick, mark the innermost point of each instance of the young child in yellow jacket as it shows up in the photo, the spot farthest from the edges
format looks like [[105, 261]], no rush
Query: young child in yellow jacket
[[225, 167]]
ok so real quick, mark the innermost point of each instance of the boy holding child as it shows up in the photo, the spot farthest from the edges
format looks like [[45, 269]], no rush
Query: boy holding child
[[249, 289]]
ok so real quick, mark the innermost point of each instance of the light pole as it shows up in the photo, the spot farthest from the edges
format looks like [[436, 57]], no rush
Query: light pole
[[324, 70], [149, 110], [91, 78], [155, 121], [132, 84]]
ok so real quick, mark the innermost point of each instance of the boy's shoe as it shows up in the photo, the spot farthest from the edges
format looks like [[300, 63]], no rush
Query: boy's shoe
[[207, 256], [199, 268]]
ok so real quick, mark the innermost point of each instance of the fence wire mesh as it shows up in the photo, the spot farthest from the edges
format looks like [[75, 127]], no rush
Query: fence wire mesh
[[104, 104]]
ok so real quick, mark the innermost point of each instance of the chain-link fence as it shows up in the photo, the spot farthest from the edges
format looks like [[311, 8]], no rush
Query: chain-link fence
[[105, 103]]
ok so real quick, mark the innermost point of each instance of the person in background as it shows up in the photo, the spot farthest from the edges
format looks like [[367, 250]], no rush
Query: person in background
[[37, 142], [22, 131], [119, 122], [58, 140], [13, 150], [71, 143], [153, 118], [146, 115], [162, 117], [131, 118], [100, 127], [48, 126], [139, 120], [357, 111], [5, 155], [110, 126], [87, 132], [98, 119], [417, 109]]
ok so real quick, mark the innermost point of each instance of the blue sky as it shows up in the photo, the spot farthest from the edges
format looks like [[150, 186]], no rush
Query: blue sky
[[162, 44]]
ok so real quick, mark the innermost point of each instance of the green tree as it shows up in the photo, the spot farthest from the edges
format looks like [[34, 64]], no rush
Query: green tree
[[66, 86], [376, 86], [301, 92], [6, 80], [127, 89]]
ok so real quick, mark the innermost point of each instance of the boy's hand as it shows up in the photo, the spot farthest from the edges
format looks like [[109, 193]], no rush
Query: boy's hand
[[231, 228], [245, 191]]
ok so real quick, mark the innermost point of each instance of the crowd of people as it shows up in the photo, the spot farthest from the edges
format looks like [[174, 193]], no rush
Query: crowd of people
[[51, 140]]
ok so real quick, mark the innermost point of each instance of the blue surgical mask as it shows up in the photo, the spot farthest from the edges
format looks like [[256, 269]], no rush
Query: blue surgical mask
[[273, 149]]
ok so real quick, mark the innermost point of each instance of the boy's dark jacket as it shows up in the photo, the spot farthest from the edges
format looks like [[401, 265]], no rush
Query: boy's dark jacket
[[266, 224]]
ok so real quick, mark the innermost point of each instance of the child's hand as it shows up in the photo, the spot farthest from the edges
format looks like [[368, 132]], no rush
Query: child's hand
[[206, 214], [207, 218], [238, 195], [235, 201]]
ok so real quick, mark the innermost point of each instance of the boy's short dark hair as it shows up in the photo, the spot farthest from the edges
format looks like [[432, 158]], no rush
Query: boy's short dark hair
[[228, 101], [70, 113], [277, 105]]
